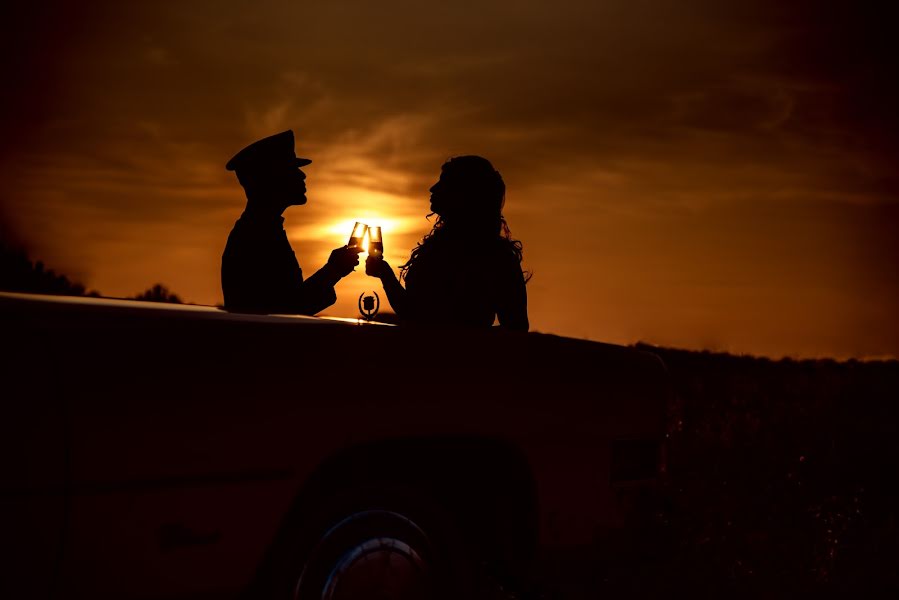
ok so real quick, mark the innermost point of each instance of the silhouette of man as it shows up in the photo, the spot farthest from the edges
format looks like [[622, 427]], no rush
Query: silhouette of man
[[260, 272]]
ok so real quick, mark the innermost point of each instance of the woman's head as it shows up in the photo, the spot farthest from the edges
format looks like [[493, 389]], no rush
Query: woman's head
[[468, 201], [469, 191]]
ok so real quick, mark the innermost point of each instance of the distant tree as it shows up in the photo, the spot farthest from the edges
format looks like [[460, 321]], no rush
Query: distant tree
[[159, 293], [19, 274]]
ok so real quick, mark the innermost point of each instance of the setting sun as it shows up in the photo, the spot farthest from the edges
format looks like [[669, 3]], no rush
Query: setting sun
[[345, 226]]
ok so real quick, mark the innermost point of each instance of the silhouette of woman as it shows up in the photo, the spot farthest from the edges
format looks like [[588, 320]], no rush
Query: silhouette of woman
[[467, 270]]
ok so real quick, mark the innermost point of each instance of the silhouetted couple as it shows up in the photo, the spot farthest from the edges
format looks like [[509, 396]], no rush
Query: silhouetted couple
[[465, 272]]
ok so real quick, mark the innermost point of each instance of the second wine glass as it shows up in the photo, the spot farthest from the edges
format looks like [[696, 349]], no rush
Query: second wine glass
[[375, 243]]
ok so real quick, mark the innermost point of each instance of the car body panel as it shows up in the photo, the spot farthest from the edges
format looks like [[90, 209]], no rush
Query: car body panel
[[190, 431]]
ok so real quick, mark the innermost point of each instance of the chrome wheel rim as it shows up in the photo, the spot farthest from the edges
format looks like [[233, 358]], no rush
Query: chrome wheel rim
[[380, 567]]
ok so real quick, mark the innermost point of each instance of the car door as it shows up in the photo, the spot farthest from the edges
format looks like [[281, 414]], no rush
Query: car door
[[173, 495]]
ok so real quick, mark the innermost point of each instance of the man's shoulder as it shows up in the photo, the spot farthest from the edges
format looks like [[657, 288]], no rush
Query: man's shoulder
[[261, 232], [262, 222]]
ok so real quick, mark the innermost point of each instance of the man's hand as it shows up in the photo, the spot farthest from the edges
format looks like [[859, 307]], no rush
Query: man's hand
[[344, 260], [376, 266]]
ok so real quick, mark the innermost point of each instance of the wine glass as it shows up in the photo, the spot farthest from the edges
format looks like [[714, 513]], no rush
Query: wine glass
[[357, 235], [375, 243]]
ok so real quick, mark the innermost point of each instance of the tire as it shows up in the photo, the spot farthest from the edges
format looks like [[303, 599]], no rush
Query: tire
[[384, 543]]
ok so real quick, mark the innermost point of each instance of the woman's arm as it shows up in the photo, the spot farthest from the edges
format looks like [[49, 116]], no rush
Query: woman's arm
[[396, 294], [512, 297]]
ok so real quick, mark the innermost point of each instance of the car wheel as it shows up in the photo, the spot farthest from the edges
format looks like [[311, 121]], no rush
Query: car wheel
[[394, 544]]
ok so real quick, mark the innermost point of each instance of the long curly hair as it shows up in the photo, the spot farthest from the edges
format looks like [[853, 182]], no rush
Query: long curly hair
[[474, 213]]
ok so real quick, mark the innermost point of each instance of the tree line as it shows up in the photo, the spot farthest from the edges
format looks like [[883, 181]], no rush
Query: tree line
[[19, 273]]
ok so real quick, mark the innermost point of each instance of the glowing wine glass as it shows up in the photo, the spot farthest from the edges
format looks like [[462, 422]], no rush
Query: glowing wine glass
[[375, 243], [357, 235]]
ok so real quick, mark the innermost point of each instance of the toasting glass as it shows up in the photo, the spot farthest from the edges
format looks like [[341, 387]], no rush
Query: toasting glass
[[357, 235], [375, 243]]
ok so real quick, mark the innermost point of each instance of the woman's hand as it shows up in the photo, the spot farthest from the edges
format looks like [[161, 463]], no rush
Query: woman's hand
[[376, 266]]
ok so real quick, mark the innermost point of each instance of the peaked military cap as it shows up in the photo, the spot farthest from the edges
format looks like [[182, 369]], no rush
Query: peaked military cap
[[275, 150]]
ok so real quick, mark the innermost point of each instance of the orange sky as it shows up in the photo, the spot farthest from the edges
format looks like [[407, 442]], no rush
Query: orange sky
[[680, 173]]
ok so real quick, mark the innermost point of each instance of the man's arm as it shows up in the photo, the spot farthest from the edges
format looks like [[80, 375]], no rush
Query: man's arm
[[318, 290]]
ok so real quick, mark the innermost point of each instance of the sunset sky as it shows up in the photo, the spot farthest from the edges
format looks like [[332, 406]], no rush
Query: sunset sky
[[690, 173]]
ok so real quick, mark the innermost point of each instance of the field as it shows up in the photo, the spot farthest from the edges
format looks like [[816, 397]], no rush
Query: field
[[781, 481]]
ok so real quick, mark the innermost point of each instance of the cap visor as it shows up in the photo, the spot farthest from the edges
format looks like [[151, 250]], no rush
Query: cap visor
[[302, 162]]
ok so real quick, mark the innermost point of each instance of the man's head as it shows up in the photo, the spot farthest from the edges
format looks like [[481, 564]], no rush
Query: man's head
[[269, 171]]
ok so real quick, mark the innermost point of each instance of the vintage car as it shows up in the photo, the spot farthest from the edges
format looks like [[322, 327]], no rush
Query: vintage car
[[172, 451]]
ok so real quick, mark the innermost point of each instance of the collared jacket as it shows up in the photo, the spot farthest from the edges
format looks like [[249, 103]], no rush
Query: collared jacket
[[260, 272]]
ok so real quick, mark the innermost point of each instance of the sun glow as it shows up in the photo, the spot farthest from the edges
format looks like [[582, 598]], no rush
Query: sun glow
[[398, 216], [344, 227], [338, 208]]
